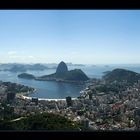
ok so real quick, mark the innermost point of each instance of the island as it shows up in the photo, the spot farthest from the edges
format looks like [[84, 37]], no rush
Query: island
[[26, 76], [62, 74]]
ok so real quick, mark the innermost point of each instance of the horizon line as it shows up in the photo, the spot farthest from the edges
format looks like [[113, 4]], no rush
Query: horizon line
[[70, 63]]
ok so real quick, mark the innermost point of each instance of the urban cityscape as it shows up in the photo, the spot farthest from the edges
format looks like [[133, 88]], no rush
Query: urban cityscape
[[70, 70], [102, 105]]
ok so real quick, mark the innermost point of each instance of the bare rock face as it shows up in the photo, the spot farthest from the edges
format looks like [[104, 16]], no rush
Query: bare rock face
[[62, 68]]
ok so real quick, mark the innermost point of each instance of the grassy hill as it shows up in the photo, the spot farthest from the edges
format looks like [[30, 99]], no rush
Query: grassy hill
[[44, 121]]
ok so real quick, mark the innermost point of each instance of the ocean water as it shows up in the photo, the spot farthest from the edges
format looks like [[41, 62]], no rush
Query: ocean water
[[60, 90]]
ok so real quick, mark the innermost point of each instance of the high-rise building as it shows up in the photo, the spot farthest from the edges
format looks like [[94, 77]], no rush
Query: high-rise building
[[35, 100], [90, 96], [85, 123], [69, 101], [137, 117]]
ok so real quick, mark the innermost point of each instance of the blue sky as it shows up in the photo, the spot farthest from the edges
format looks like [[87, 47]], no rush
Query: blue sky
[[77, 36]]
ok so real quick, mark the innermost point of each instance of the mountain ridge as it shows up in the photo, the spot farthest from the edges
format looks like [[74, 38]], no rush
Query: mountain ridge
[[121, 75]]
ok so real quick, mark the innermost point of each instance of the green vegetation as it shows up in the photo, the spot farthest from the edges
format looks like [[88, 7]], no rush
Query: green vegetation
[[44, 121], [72, 75], [113, 87], [76, 75], [17, 88], [121, 75]]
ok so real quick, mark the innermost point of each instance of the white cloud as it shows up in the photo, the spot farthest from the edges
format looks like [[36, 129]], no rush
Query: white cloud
[[12, 52], [30, 56], [20, 56], [14, 56]]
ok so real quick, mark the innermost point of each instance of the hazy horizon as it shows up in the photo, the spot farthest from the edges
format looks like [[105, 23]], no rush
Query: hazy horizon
[[93, 37], [101, 64]]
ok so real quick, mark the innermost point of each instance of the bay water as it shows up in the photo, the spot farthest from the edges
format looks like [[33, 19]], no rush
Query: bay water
[[60, 90]]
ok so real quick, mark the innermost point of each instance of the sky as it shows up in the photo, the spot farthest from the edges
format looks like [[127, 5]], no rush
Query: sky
[[76, 36]]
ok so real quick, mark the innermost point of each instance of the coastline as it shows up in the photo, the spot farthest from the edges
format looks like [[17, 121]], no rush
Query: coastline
[[24, 96], [45, 99]]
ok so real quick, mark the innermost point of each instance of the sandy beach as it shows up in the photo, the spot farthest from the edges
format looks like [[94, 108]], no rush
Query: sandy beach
[[40, 99]]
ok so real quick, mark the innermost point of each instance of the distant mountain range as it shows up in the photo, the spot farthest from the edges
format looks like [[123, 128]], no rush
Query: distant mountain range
[[17, 67], [62, 74], [77, 75], [22, 67], [122, 75]]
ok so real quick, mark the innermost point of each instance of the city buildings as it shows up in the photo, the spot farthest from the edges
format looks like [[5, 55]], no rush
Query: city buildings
[[69, 101]]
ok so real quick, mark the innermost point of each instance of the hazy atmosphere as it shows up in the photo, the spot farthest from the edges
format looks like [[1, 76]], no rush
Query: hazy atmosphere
[[77, 36]]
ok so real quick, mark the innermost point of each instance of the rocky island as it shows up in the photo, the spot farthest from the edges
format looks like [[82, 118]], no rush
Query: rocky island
[[26, 76], [62, 74]]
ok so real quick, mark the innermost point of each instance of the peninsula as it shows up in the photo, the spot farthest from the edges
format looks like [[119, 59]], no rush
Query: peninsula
[[62, 74]]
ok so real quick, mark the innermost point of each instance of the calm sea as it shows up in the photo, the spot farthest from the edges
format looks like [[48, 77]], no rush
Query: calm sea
[[59, 90]]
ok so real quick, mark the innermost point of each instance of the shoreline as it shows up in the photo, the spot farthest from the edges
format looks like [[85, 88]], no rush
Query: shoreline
[[45, 99], [23, 95]]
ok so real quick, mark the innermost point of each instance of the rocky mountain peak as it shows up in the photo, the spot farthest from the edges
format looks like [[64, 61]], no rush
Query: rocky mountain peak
[[62, 68]]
